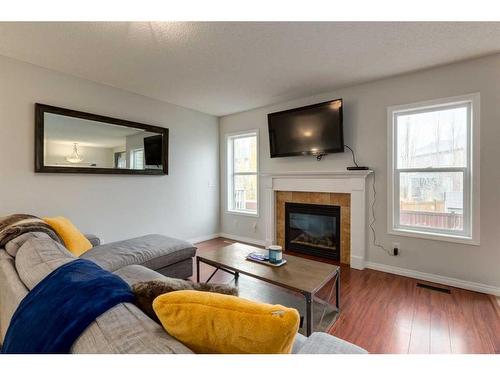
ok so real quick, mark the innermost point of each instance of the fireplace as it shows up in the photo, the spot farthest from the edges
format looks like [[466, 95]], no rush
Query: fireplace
[[313, 229]]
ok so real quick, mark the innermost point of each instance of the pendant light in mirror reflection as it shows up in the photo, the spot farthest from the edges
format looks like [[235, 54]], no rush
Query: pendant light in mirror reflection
[[75, 157]]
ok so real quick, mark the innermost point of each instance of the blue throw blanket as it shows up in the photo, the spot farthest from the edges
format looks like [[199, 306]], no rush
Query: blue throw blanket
[[54, 314]]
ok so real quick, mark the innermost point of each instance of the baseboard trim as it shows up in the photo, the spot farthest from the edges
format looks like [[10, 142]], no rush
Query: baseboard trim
[[250, 240], [357, 262], [450, 281], [204, 238]]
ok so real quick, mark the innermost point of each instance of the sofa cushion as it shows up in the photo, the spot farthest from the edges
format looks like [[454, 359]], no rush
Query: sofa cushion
[[12, 291], [134, 274], [153, 251], [37, 257], [299, 342], [146, 291], [12, 247], [216, 323], [74, 240], [125, 329], [323, 343]]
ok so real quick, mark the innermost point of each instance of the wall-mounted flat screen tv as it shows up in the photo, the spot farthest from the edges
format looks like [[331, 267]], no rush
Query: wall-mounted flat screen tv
[[153, 149], [312, 130]]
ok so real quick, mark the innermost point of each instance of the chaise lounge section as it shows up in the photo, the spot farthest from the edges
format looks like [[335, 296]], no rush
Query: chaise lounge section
[[166, 255]]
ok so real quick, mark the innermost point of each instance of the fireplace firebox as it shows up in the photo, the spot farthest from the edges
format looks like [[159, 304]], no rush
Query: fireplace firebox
[[313, 229]]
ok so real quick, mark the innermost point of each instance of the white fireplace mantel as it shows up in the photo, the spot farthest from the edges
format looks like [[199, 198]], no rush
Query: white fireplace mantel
[[350, 182]]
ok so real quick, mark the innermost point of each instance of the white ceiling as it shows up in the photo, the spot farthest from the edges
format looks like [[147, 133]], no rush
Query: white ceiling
[[222, 68]]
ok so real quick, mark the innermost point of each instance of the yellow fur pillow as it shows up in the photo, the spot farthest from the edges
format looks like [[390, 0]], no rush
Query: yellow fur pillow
[[73, 239], [216, 323]]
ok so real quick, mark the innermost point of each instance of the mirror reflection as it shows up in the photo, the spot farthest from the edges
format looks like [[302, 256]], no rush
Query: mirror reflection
[[76, 142]]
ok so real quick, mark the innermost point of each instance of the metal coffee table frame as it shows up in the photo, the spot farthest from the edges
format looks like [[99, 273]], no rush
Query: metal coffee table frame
[[308, 296]]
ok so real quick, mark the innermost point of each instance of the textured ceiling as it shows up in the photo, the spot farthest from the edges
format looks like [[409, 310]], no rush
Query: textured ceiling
[[223, 68]]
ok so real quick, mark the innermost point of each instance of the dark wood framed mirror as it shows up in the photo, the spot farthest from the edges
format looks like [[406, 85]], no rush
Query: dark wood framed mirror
[[68, 141]]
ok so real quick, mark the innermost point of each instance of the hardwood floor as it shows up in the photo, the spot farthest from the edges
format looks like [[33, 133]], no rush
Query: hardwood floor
[[386, 313]]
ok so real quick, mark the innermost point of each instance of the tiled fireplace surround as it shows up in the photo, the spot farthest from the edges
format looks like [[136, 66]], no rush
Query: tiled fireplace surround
[[342, 200], [345, 189]]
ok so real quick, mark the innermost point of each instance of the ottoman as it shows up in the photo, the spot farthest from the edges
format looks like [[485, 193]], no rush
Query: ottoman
[[169, 256]]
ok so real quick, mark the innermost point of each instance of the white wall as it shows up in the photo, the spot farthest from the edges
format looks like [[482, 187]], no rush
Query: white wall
[[365, 127], [184, 204]]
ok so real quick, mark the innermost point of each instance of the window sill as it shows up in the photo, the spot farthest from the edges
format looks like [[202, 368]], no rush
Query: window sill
[[434, 236], [242, 213]]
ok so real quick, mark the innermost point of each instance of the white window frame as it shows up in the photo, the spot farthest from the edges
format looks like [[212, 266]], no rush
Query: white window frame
[[229, 142], [470, 234], [132, 157]]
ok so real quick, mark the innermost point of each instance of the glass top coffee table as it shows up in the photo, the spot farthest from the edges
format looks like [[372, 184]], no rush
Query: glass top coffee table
[[300, 275]]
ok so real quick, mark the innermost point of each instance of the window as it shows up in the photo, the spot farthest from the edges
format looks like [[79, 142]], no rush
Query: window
[[242, 173], [435, 165], [137, 158], [121, 159]]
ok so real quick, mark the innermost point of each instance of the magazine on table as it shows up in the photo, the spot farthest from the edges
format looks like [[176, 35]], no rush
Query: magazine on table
[[263, 258]]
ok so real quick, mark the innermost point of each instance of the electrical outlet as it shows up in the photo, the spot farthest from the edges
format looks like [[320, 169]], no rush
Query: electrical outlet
[[396, 248]]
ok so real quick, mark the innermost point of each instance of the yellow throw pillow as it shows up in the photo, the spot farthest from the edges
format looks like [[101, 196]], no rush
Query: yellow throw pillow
[[73, 239], [216, 323]]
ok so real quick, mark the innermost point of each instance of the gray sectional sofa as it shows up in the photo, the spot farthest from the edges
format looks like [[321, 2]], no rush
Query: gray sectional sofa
[[25, 261]]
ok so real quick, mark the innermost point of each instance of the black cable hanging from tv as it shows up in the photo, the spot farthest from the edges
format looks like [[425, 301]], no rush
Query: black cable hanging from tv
[[353, 157], [320, 156], [357, 167]]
